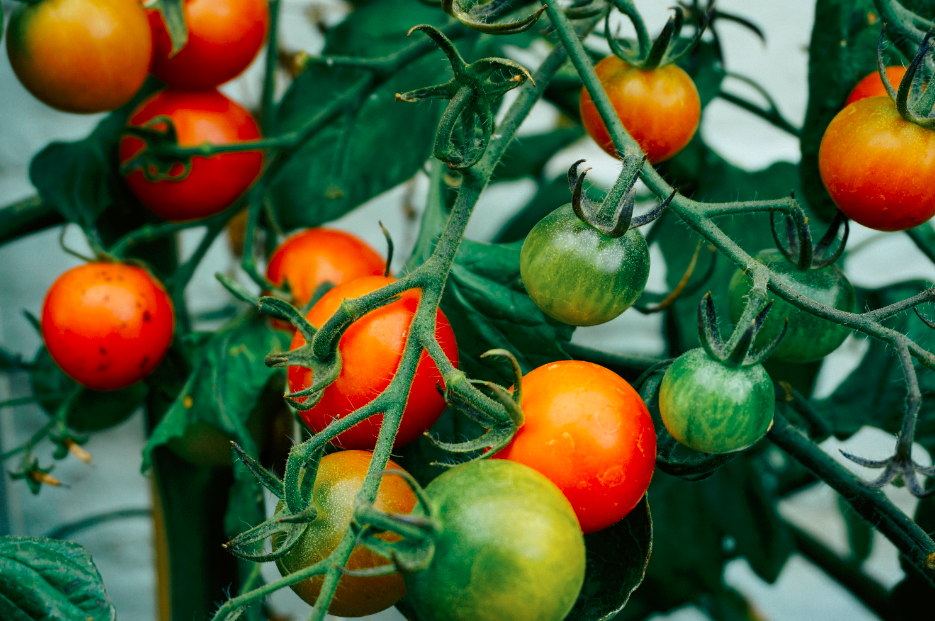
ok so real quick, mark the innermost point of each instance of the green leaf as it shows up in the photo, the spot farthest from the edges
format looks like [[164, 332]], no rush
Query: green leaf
[[358, 156], [488, 309], [617, 558], [705, 69], [550, 196], [227, 375], [91, 410], [50, 580], [859, 533], [173, 16], [526, 156], [841, 52]]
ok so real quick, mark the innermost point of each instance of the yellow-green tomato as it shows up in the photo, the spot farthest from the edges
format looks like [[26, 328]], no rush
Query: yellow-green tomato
[[714, 408], [577, 274], [340, 476], [509, 548]]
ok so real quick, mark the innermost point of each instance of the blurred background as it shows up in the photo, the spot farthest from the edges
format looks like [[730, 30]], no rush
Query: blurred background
[[122, 548]]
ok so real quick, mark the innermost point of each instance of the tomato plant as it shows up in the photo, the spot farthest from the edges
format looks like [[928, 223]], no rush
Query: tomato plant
[[872, 86], [589, 432], [107, 325], [224, 36], [214, 182], [80, 55], [495, 558], [865, 138], [370, 353], [340, 476], [312, 257], [807, 337], [660, 108]]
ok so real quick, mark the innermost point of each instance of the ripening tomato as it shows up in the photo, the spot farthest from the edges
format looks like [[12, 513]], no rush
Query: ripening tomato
[[878, 167], [224, 36], [315, 256], [340, 477], [872, 85], [371, 349], [659, 108], [215, 182], [107, 325], [80, 55], [589, 432]]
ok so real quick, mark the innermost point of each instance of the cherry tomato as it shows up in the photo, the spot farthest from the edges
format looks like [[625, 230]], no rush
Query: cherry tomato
[[878, 167], [80, 55], [577, 274], [509, 548], [107, 325], [339, 479], [371, 349], [590, 433], [224, 36], [659, 108], [872, 86], [215, 182], [713, 408], [315, 256], [807, 337]]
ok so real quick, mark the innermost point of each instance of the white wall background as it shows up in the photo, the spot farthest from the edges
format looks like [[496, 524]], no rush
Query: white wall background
[[123, 549]]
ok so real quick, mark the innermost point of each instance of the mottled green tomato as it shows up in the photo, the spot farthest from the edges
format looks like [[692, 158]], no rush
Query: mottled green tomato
[[808, 337], [579, 275], [510, 548], [714, 408]]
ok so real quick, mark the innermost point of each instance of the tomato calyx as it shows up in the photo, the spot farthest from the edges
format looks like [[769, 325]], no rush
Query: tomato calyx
[[479, 17], [797, 246], [613, 217], [470, 92], [173, 15], [738, 350], [161, 155], [660, 52], [913, 101]]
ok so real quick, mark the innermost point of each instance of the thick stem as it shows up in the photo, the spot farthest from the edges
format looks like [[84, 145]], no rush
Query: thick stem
[[267, 105], [26, 217]]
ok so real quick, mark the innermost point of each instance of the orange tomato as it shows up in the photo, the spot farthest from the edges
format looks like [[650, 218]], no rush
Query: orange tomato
[[872, 85]]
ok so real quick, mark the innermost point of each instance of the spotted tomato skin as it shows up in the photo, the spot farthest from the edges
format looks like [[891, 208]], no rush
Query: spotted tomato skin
[[577, 274], [714, 408], [107, 325], [509, 549], [807, 337]]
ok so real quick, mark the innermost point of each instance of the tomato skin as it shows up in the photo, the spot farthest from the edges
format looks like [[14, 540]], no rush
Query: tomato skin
[[80, 55], [371, 350], [872, 85], [807, 337], [713, 408], [215, 182], [660, 108], [312, 257], [509, 550], [578, 275], [339, 479], [878, 167], [589, 432], [224, 36], [107, 325]]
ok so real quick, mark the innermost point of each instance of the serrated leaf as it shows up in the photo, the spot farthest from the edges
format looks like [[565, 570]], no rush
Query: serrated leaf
[[488, 309], [617, 558], [360, 156], [50, 580]]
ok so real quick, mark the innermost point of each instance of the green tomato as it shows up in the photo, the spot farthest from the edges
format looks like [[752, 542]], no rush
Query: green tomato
[[510, 548], [808, 337], [579, 275], [713, 408]]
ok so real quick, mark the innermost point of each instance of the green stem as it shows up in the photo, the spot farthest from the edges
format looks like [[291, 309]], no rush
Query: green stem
[[871, 504], [267, 104], [26, 217]]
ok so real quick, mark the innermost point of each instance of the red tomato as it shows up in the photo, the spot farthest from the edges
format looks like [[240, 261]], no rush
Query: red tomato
[[107, 325], [659, 108], [872, 86], [314, 256], [878, 167], [224, 36], [371, 349], [80, 55], [590, 433], [215, 182]]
